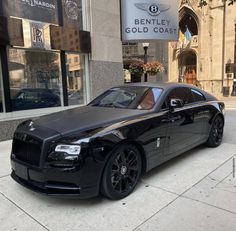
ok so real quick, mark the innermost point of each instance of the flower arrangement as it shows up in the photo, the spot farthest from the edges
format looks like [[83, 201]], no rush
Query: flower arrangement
[[136, 68], [153, 67]]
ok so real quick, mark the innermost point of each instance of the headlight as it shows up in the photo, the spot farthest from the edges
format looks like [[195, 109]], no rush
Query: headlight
[[69, 149]]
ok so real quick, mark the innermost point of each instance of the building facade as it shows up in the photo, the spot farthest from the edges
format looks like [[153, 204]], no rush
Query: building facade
[[134, 51], [54, 55], [203, 60], [206, 60]]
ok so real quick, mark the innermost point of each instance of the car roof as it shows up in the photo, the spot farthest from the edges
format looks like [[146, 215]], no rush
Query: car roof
[[163, 85], [168, 86]]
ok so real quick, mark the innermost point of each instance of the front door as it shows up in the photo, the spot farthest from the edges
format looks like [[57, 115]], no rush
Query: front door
[[184, 124]]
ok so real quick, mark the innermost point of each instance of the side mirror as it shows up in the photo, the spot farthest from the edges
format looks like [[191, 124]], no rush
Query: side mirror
[[176, 103]]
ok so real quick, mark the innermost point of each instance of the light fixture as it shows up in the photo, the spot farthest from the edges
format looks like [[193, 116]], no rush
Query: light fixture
[[145, 47]]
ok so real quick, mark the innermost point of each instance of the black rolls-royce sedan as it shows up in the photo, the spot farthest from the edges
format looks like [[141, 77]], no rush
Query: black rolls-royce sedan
[[105, 146]]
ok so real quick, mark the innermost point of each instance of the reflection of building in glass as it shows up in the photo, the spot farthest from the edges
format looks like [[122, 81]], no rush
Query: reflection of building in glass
[[75, 81], [74, 75], [67, 41], [16, 67], [33, 68]]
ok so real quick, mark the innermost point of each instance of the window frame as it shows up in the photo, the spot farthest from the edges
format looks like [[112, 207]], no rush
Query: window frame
[[185, 104], [200, 93]]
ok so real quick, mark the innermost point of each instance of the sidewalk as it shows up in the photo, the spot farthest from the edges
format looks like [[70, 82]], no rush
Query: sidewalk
[[230, 102], [194, 192]]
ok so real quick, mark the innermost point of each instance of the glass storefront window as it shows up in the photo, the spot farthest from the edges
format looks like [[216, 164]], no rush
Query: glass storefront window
[[35, 79], [75, 79], [1, 89]]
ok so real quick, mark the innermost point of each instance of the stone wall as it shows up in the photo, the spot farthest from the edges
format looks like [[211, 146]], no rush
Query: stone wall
[[214, 48], [105, 63]]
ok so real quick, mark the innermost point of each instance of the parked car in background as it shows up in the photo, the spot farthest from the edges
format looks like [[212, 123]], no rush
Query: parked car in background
[[31, 98], [105, 146]]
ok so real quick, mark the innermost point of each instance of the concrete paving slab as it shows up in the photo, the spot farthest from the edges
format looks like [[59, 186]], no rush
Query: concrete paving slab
[[184, 214], [225, 170], [230, 128], [230, 102], [93, 214], [13, 218], [218, 189], [180, 174], [5, 150]]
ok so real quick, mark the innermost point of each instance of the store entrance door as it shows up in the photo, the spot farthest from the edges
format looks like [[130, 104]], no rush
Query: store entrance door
[[188, 67], [190, 75]]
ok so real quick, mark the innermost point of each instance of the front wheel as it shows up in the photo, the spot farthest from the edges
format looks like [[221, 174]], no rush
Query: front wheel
[[122, 172], [216, 133]]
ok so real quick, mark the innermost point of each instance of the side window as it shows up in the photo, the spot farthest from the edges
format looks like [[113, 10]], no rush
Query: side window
[[197, 96], [150, 99], [182, 93]]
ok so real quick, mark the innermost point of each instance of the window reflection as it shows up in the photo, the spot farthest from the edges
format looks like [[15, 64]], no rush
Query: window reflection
[[35, 80], [75, 79], [150, 99]]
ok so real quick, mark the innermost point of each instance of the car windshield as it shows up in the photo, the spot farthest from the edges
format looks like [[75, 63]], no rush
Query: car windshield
[[142, 98]]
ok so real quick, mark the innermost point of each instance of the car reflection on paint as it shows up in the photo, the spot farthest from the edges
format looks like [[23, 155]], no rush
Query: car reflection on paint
[[104, 147]]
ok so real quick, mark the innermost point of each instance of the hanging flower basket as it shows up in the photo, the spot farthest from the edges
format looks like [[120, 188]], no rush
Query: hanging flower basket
[[136, 68], [154, 67]]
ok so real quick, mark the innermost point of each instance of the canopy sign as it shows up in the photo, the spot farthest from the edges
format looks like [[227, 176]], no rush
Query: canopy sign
[[149, 20], [38, 10]]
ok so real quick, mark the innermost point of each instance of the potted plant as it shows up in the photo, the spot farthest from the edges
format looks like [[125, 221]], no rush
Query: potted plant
[[136, 70], [154, 67]]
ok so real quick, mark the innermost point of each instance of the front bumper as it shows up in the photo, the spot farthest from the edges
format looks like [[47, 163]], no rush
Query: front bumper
[[56, 182]]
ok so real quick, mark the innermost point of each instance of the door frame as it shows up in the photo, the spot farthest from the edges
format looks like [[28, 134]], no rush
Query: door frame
[[5, 79]]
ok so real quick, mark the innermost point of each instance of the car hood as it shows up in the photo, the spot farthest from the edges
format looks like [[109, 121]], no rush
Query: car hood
[[85, 118]]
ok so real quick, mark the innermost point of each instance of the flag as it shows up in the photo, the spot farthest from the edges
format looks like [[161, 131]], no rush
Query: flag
[[187, 37], [181, 39]]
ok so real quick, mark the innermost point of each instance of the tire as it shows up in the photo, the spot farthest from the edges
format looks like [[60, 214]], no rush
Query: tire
[[122, 172], [216, 133]]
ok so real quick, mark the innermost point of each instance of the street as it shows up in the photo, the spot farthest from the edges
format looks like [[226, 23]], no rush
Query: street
[[195, 191]]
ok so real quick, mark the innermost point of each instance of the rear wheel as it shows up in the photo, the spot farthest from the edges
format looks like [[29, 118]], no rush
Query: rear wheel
[[122, 172], [216, 133]]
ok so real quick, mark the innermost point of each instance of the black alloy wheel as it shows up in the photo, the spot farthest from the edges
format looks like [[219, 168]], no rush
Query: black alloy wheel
[[122, 172], [216, 133]]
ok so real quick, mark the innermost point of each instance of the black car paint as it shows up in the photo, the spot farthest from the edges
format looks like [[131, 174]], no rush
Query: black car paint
[[98, 138]]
